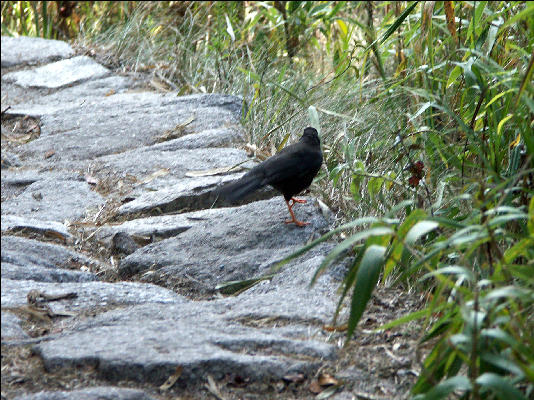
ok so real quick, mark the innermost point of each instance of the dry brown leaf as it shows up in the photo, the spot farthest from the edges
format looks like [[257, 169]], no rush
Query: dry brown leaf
[[428, 9], [110, 93], [315, 387], [56, 234], [327, 380], [151, 177], [449, 15], [23, 139], [175, 132], [49, 154], [171, 380], [332, 328], [159, 85]]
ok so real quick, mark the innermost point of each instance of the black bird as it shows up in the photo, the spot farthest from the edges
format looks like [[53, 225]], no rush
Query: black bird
[[290, 171]]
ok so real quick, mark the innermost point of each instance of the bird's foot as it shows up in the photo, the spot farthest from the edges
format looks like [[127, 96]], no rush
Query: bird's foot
[[301, 201], [296, 222], [293, 219]]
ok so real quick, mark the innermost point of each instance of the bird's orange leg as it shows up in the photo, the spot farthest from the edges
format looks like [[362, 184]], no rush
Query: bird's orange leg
[[293, 218], [301, 201]]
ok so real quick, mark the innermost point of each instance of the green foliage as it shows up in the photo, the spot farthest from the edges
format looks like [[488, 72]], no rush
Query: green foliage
[[425, 111], [61, 19]]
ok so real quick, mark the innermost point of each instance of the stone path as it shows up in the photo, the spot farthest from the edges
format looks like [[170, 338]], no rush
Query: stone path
[[108, 194]]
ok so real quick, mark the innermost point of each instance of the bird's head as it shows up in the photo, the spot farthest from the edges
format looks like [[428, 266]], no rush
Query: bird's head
[[311, 136]]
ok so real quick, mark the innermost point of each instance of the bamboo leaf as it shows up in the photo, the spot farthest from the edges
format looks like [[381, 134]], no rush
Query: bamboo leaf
[[451, 269], [501, 387], [420, 229], [366, 280], [302, 250], [445, 388], [229, 28], [347, 244], [398, 245], [314, 119], [398, 22], [453, 76], [528, 12]]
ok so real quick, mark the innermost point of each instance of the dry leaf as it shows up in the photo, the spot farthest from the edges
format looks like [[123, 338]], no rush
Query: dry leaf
[[332, 328], [449, 15], [213, 389], [159, 85], [56, 234], [171, 380], [49, 154], [151, 177], [110, 93], [315, 388], [327, 380], [23, 139], [175, 132]]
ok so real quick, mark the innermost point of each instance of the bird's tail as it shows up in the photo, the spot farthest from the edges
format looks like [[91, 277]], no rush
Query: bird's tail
[[240, 188]]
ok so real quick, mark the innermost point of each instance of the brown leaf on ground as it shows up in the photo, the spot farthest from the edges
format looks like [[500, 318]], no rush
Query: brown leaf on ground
[[154, 175], [176, 132], [171, 380], [327, 380], [338, 328], [315, 388], [49, 154]]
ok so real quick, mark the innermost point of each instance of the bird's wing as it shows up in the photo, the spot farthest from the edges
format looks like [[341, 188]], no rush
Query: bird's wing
[[289, 164]]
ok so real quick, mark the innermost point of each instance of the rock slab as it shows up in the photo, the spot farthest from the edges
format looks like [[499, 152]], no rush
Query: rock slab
[[27, 50], [59, 74]]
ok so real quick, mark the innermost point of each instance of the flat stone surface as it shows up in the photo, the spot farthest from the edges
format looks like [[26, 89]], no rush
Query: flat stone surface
[[186, 194], [94, 393], [55, 200], [44, 274], [58, 74], [90, 294], [159, 227], [125, 121], [230, 244], [11, 329], [64, 99], [31, 259], [218, 137], [16, 180], [10, 160], [14, 223], [143, 163], [261, 336], [31, 50]]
